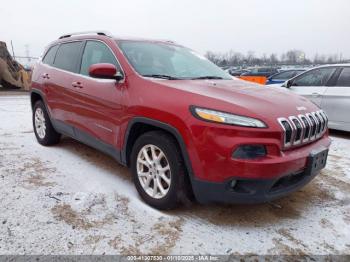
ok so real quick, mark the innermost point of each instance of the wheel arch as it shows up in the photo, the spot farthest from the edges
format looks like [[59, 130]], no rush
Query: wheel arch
[[140, 125], [36, 95]]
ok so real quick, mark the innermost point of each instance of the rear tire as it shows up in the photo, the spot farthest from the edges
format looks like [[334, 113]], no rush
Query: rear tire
[[43, 129], [158, 170]]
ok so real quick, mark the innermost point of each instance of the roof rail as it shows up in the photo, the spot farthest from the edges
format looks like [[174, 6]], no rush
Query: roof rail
[[85, 33]]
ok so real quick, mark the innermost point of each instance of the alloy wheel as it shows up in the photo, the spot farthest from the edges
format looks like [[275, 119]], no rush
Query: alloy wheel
[[153, 171], [40, 123]]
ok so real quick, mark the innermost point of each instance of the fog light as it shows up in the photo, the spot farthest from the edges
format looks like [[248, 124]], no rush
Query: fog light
[[249, 152], [233, 183]]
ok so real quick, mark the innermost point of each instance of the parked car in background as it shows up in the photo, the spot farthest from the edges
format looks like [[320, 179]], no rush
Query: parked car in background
[[183, 126], [261, 71], [329, 88], [258, 74], [237, 72], [283, 76], [225, 67]]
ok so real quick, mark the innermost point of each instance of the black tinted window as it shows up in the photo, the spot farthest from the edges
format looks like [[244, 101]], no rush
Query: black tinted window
[[94, 53], [317, 77], [344, 77], [67, 56], [50, 55]]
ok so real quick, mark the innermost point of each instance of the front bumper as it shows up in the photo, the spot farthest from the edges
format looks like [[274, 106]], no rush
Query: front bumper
[[255, 190]]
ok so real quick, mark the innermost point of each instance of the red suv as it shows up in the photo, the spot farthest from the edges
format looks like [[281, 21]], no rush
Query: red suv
[[183, 126]]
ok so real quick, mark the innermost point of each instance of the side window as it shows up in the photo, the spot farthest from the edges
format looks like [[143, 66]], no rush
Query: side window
[[50, 55], [284, 75], [295, 73], [344, 77], [317, 77], [96, 52], [67, 56]]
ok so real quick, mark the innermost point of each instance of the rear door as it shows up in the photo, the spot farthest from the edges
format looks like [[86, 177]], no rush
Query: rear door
[[45, 77], [63, 99], [313, 84], [100, 100], [336, 101]]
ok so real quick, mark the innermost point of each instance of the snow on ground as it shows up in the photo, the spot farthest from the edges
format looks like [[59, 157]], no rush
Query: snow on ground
[[71, 199]]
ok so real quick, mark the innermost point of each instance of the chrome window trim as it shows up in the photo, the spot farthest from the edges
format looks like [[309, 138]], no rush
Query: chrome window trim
[[110, 49], [101, 80]]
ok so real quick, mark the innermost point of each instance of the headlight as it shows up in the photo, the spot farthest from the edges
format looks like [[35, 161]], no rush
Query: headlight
[[226, 118]]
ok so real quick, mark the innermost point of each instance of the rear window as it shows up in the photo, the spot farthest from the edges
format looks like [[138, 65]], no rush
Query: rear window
[[344, 77], [50, 55], [68, 55]]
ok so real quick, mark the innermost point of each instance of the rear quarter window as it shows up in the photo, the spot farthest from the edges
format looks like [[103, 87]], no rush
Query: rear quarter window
[[67, 57], [50, 55]]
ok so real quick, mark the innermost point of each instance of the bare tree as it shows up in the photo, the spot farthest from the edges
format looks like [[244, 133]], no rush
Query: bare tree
[[273, 59], [291, 57]]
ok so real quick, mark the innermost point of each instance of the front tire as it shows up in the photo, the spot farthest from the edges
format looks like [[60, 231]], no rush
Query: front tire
[[158, 170], [43, 129]]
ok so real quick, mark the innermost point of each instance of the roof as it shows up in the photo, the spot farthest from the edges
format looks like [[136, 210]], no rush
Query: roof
[[328, 65], [108, 34]]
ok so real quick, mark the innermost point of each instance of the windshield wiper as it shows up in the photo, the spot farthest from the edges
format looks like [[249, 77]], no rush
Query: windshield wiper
[[162, 76], [207, 77]]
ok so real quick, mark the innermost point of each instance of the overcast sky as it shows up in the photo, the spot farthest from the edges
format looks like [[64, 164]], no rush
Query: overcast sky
[[263, 26]]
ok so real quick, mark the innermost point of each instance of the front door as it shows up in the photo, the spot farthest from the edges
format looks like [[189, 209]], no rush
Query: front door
[[100, 100], [313, 84]]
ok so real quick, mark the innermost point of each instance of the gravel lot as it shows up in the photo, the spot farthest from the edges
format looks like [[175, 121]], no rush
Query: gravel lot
[[71, 199]]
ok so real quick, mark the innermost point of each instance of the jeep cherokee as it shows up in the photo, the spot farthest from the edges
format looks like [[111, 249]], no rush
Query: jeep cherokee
[[182, 125]]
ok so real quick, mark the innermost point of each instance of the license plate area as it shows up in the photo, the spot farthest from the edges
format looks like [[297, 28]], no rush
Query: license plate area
[[317, 161]]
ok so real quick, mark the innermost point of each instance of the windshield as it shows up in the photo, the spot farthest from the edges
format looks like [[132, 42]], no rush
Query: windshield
[[168, 61]]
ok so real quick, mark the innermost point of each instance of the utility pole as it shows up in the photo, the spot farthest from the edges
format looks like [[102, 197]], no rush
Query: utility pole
[[13, 52]]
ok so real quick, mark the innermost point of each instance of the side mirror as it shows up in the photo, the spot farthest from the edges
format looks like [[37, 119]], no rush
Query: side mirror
[[104, 70], [287, 84]]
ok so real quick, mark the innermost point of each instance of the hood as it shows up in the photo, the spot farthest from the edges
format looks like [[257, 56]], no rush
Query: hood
[[242, 97]]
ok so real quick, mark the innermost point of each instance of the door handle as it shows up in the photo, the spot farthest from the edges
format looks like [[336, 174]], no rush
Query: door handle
[[316, 94], [77, 84], [45, 76]]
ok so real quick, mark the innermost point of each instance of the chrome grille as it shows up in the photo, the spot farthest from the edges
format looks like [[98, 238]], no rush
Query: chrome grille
[[303, 129]]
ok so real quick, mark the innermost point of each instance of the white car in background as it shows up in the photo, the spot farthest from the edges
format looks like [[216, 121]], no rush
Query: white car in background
[[329, 88]]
